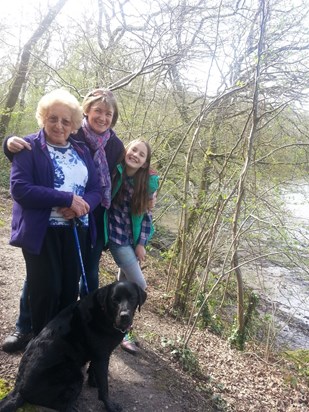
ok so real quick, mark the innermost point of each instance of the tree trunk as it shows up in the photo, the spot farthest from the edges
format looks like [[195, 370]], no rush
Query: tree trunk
[[243, 178], [24, 65]]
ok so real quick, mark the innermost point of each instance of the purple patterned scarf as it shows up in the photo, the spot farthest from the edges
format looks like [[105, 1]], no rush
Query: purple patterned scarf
[[97, 143]]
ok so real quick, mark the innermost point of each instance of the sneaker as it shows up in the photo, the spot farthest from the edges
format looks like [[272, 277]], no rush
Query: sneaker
[[16, 342], [129, 343]]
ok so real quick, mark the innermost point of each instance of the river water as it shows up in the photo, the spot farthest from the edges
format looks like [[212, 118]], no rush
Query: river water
[[285, 291]]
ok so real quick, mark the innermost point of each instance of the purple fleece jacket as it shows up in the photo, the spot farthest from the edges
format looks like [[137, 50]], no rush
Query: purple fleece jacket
[[32, 188]]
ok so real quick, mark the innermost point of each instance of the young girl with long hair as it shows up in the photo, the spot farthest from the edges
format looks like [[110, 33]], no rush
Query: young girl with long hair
[[129, 218]]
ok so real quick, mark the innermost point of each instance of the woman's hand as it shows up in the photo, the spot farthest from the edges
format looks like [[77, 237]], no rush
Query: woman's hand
[[79, 206], [152, 202], [67, 213], [15, 144], [140, 253]]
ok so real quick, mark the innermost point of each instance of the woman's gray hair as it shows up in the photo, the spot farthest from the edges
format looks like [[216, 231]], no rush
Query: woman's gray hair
[[63, 97]]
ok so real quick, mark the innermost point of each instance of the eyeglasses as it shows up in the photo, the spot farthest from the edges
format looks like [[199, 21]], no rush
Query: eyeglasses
[[55, 119]]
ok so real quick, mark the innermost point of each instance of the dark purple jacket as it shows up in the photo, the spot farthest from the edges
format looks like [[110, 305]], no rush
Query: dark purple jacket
[[32, 188]]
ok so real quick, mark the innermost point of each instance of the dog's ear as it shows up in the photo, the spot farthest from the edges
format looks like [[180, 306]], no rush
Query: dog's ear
[[142, 295], [102, 296], [86, 312]]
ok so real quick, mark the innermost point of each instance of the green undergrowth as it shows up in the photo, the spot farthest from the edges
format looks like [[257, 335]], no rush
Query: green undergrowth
[[300, 365], [5, 167], [5, 388]]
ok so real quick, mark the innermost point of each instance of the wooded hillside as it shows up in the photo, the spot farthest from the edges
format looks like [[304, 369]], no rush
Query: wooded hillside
[[220, 90]]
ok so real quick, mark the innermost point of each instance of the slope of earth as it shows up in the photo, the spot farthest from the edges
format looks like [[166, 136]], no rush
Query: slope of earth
[[143, 383], [153, 381]]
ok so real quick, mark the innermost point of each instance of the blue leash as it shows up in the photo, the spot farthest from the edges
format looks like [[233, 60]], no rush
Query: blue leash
[[77, 243]]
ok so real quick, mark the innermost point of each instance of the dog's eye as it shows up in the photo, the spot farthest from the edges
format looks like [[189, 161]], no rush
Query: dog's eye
[[116, 299]]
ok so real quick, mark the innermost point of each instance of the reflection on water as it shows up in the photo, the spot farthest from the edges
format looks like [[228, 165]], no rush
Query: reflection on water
[[288, 296], [170, 220], [297, 203], [287, 290]]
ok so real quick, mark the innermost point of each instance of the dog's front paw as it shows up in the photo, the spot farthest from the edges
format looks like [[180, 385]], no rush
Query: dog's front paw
[[112, 406], [91, 377], [92, 380]]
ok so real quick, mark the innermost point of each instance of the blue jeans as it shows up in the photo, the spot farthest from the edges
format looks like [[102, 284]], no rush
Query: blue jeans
[[23, 323], [129, 267], [93, 255], [92, 262]]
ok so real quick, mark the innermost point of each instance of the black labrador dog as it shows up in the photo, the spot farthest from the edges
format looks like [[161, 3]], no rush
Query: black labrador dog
[[51, 370]]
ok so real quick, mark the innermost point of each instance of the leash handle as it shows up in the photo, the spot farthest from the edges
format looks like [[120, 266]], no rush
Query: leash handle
[[74, 223]]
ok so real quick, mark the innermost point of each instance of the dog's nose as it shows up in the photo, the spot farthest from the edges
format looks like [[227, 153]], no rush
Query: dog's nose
[[124, 316]]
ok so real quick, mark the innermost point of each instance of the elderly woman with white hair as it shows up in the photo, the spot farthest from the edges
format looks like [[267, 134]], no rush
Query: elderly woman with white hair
[[52, 183]]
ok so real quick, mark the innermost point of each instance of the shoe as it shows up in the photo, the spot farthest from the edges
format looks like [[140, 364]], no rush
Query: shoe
[[129, 343], [16, 342]]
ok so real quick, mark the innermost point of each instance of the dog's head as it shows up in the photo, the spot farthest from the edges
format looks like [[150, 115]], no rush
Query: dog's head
[[120, 300]]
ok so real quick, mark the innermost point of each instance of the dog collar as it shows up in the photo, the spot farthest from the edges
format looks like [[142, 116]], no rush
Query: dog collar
[[121, 330]]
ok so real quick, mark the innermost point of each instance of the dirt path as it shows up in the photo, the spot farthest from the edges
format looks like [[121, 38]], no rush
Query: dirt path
[[139, 383], [229, 380]]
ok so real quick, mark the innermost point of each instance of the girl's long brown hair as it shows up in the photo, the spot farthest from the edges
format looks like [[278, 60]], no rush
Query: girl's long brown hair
[[140, 198]]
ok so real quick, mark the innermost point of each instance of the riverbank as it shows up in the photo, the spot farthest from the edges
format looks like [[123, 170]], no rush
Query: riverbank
[[282, 283], [227, 380]]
